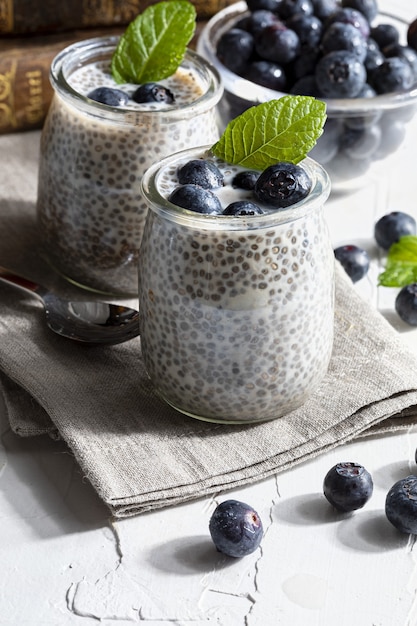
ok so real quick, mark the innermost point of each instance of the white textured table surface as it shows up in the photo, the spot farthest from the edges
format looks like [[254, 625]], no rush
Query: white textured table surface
[[64, 561]]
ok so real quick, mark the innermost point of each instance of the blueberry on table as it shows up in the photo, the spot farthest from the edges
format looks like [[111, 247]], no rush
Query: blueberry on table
[[282, 185], [392, 226], [243, 208], [348, 486], [401, 505], [406, 304], [354, 260], [200, 172], [235, 528], [108, 95], [153, 92], [340, 74], [196, 199]]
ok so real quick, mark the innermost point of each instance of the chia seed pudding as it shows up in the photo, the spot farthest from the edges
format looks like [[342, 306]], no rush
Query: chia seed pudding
[[91, 211], [236, 312]]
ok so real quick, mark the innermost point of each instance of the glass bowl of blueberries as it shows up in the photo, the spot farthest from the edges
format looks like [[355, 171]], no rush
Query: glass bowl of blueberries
[[359, 59]]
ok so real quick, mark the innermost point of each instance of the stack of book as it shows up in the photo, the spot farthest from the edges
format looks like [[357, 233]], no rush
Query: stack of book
[[32, 32]]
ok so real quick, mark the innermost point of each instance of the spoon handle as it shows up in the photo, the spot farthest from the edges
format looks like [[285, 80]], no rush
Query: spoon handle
[[8, 276]]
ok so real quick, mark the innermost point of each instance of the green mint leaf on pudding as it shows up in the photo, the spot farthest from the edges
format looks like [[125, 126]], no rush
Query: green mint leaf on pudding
[[401, 266], [279, 130], [154, 44]]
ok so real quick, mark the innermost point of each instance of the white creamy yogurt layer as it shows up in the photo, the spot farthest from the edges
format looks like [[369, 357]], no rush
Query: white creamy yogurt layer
[[185, 84]]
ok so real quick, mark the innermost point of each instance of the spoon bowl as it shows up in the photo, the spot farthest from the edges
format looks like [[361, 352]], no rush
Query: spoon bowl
[[85, 322]]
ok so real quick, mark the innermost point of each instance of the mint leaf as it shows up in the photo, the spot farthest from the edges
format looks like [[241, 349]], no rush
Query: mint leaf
[[279, 130], [154, 44], [401, 266]]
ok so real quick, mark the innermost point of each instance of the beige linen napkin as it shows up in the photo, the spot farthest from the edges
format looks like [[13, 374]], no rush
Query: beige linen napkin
[[138, 453]]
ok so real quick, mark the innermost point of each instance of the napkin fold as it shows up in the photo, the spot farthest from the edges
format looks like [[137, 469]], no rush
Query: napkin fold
[[140, 454]]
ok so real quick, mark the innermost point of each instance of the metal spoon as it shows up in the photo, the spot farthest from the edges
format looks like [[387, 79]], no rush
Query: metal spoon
[[87, 322]]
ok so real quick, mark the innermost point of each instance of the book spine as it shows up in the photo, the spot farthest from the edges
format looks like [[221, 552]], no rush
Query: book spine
[[44, 16], [25, 92]]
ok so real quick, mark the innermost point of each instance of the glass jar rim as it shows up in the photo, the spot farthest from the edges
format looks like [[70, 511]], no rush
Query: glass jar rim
[[84, 51], [162, 206], [242, 88]]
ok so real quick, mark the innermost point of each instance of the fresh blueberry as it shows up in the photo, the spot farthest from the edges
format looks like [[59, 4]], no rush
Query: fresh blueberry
[[385, 35], [369, 8], [235, 528], [406, 53], [308, 28], [196, 199], [340, 36], [394, 74], [243, 208], [200, 172], [348, 486], [108, 95], [390, 227], [323, 9], [235, 48], [354, 260], [340, 74], [401, 505], [257, 20], [245, 179], [406, 304], [268, 5], [288, 8], [153, 92], [352, 17], [277, 44], [267, 74], [306, 86], [305, 64], [282, 185], [374, 56]]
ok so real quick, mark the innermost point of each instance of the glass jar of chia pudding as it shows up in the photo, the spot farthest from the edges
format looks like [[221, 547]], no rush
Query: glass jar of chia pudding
[[90, 209], [236, 311]]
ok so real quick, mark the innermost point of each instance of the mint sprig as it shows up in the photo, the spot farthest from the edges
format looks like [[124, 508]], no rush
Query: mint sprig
[[401, 265], [279, 130], [154, 44]]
